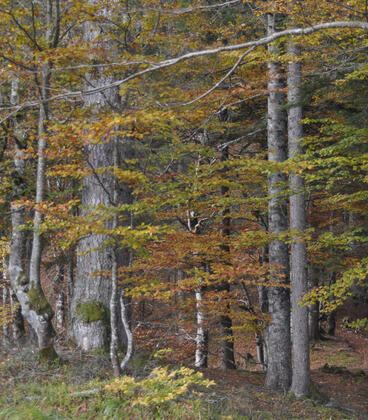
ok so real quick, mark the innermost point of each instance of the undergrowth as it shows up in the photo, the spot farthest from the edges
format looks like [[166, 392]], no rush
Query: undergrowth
[[84, 390]]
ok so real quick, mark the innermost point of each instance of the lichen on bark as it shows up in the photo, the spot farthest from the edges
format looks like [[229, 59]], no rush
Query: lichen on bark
[[93, 311]]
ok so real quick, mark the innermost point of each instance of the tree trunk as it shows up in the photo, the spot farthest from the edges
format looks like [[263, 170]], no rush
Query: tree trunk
[[278, 332], [59, 311], [298, 256], [18, 330], [201, 353], [128, 333], [35, 307], [313, 309], [91, 289], [331, 323], [263, 307], [226, 325], [114, 341]]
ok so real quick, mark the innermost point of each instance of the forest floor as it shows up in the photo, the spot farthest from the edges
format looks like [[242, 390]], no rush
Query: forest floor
[[29, 390]]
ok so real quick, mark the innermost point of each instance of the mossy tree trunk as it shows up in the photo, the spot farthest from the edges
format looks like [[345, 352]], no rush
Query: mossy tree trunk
[[35, 308]]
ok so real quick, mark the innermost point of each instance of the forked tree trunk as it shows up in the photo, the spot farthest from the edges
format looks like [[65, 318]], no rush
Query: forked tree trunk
[[298, 256], [278, 332], [35, 308]]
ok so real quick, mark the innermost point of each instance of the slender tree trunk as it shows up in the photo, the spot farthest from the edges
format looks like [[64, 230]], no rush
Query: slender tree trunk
[[331, 323], [60, 310], [128, 333], [114, 341], [331, 318], [313, 309], [45, 331], [298, 256], [226, 325], [201, 353], [278, 332]]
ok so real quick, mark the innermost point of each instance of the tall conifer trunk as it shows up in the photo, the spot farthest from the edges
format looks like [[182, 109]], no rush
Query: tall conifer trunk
[[278, 332], [298, 256]]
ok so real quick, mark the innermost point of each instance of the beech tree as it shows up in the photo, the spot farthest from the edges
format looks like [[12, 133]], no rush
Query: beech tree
[[109, 79]]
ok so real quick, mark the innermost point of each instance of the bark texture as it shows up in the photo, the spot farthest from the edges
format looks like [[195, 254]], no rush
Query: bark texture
[[91, 289], [278, 332], [201, 353], [298, 256]]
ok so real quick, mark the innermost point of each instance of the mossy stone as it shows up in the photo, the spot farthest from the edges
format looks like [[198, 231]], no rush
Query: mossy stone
[[38, 302], [317, 395], [93, 311]]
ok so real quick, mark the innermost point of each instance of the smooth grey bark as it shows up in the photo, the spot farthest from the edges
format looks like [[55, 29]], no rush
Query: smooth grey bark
[[298, 255], [93, 255], [128, 332], [313, 309], [35, 308], [114, 341], [278, 332]]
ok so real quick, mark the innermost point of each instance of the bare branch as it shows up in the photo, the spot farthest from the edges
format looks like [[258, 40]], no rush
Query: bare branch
[[184, 10], [229, 73], [185, 57]]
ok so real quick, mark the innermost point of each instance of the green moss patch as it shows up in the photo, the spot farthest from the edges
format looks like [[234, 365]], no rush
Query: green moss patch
[[92, 312], [22, 280], [38, 302], [48, 354]]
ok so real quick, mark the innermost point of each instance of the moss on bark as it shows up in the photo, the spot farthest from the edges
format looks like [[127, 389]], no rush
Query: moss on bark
[[93, 311], [22, 280], [38, 302]]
